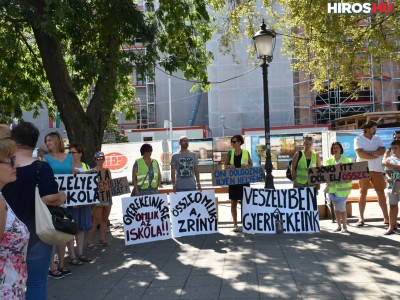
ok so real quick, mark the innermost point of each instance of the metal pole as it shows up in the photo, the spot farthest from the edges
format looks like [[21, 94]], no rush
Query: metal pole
[[170, 108], [269, 179]]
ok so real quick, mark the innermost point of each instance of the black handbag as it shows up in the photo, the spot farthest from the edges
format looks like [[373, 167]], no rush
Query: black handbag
[[62, 221]]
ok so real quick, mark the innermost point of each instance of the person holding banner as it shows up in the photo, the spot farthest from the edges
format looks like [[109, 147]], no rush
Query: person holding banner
[[369, 147], [392, 175], [339, 191], [14, 235], [301, 164], [20, 195], [237, 158], [146, 174], [101, 212], [82, 214], [185, 168], [61, 163]]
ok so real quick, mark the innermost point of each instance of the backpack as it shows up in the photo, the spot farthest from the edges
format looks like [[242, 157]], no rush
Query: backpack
[[289, 167]]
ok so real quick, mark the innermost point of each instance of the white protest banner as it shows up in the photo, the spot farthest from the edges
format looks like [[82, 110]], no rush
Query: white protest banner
[[238, 176], [81, 189], [193, 213], [338, 173], [296, 208], [120, 186], [146, 218]]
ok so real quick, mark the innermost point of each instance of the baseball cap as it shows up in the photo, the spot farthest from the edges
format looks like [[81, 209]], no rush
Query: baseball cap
[[99, 154]]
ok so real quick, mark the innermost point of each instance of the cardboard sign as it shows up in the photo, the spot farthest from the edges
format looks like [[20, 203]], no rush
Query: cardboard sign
[[146, 218], [81, 189], [120, 186], [193, 213], [238, 176], [296, 208], [339, 173]]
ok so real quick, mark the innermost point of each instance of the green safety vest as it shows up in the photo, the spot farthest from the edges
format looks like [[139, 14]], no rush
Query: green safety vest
[[302, 170], [342, 189], [243, 161], [142, 174]]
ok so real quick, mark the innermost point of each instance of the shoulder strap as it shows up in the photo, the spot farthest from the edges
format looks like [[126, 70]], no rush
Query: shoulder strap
[[297, 162]]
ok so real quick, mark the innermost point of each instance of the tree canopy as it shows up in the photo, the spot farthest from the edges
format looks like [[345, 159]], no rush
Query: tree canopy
[[77, 56], [327, 46]]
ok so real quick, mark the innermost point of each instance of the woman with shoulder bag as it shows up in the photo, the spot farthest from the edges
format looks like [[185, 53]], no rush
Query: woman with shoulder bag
[[20, 195], [146, 175]]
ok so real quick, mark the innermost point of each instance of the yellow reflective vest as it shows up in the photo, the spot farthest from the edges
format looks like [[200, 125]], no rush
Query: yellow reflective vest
[[342, 189], [302, 170], [244, 160], [142, 174]]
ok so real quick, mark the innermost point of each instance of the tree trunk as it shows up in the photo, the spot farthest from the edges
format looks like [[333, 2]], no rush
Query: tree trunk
[[82, 127]]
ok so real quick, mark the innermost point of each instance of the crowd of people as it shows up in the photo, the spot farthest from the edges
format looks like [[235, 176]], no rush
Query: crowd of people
[[27, 262], [382, 163]]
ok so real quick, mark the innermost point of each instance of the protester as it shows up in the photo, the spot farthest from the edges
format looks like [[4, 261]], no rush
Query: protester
[[392, 175], [61, 163], [302, 161], [388, 153], [82, 214], [185, 168], [369, 147], [146, 174], [237, 158], [14, 235], [101, 212], [339, 191], [20, 195]]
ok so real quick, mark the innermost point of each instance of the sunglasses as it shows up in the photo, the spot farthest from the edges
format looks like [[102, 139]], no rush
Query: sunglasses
[[100, 158], [233, 142], [11, 161]]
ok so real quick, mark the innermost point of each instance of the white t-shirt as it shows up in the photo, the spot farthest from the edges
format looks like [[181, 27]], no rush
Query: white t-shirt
[[366, 144]]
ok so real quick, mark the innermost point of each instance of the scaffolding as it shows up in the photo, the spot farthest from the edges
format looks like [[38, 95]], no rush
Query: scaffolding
[[145, 96], [383, 94]]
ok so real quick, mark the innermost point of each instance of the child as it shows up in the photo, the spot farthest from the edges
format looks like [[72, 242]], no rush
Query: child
[[392, 176]]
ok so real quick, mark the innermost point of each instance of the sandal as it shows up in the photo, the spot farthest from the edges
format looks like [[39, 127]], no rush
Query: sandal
[[64, 271], [75, 262], [91, 246], [84, 258], [55, 274], [105, 243], [235, 229], [360, 224]]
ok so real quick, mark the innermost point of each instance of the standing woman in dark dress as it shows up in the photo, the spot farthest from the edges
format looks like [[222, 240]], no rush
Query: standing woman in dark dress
[[237, 158]]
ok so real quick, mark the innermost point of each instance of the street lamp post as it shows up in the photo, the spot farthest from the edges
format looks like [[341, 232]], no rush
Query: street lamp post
[[265, 43]]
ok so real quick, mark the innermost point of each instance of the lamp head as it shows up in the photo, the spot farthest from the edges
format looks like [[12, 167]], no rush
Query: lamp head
[[264, 41]]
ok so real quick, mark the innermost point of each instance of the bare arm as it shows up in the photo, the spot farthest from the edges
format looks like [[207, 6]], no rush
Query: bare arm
[[294, 164], [365, 155], [228, 161], [381, 151], [3, 216], [197, 175], [55, 199], [134, 181], [173, 178]]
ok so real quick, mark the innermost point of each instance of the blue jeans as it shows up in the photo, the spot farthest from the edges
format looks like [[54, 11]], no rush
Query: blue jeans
[[38, 259]]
